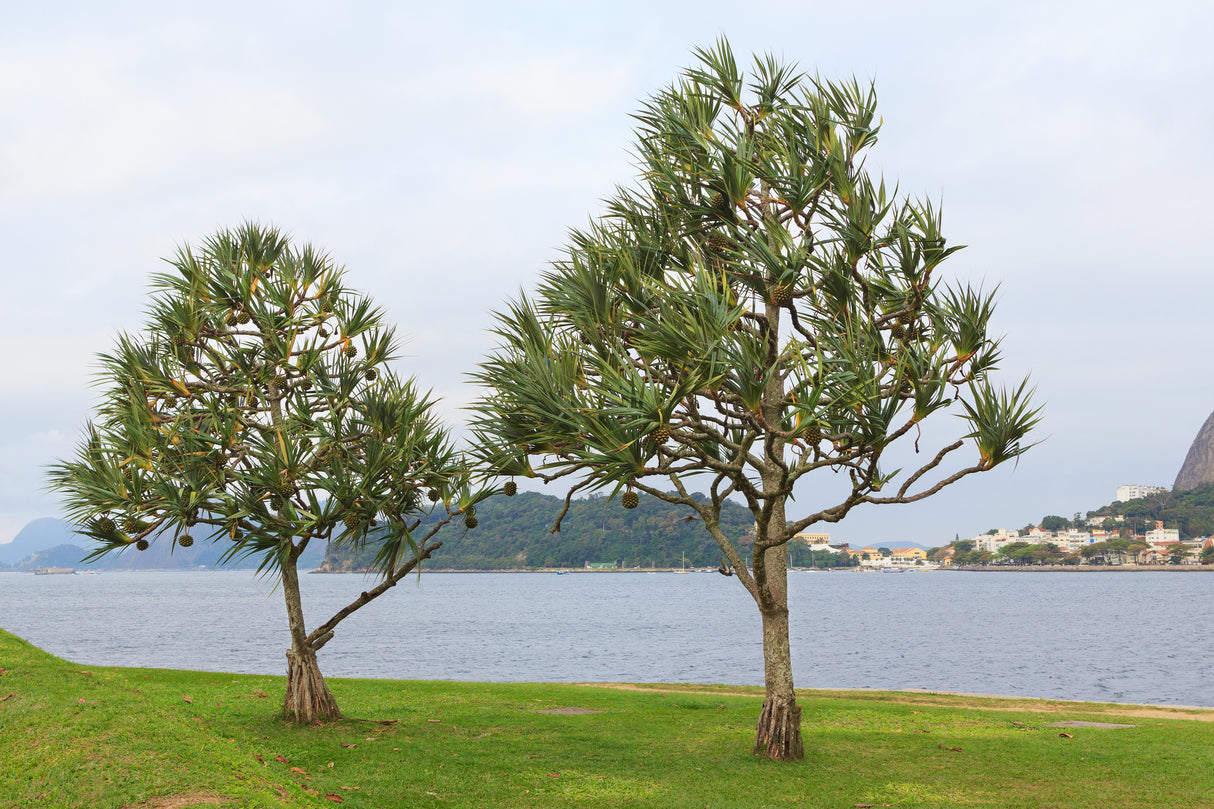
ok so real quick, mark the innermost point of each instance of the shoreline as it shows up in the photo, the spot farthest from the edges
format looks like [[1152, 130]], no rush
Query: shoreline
[[1083, 568]]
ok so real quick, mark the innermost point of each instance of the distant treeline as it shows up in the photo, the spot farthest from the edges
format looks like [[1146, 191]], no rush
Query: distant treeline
[[514, 532]]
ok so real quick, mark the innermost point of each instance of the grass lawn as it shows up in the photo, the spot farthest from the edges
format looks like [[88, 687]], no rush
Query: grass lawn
[[74, 736]]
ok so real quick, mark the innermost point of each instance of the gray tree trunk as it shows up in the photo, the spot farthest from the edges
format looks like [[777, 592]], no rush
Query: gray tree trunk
[[308, 699], [778, 735]]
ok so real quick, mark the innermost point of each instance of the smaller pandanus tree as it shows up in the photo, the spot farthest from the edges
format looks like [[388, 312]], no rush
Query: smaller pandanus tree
[[258, 409], [759, 317]]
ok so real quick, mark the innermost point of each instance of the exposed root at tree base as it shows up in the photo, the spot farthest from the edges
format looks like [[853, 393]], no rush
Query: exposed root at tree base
[[779, 731], [308, 699]]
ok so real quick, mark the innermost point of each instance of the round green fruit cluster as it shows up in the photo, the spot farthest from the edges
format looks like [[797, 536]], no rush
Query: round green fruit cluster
[[781, 294]]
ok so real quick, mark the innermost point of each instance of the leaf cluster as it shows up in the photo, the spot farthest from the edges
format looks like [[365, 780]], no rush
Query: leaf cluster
[[259, 408]]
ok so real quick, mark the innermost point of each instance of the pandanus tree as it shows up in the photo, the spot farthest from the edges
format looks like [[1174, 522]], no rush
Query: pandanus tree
[[755, 313], [258, 409]]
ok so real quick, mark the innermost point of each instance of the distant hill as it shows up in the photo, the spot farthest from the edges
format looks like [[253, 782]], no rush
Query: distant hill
[[51, 542], [38, 535], [514, 532]]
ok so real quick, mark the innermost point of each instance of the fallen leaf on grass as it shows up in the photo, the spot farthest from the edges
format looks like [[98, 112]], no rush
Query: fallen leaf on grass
[[262, 760], [392, 721], [187, 698], [6, 699], [344, 744], [1066, 735], [922, 731], [434, 720], [335, 798], [953, 749], [258, 694], [281, 759], [554, 775], [1018, 724], [351, 787], [299, 770]]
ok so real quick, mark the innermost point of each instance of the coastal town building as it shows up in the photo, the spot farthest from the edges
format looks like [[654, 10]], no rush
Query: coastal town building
[[1163, 545], [1160, 535], [1134, 492]]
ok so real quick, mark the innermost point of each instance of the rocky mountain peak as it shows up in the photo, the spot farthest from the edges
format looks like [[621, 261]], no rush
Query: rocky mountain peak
[[1198, 465]]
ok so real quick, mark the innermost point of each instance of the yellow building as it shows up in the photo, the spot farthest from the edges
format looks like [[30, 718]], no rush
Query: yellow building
[[910, 554]]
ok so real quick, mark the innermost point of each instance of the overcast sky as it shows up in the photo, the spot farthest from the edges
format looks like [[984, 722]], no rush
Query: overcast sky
[[442, 154]]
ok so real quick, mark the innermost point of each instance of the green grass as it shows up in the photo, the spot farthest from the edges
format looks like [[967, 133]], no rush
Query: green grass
[[74, 736]]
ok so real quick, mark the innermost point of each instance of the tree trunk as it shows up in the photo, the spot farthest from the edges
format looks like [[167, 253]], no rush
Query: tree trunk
[[308, 699], [779, 731]]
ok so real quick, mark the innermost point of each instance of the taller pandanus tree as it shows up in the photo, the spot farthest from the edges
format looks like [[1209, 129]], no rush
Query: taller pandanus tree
[[754, 313]]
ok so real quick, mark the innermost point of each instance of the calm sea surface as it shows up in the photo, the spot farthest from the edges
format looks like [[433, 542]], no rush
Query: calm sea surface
[[1116, 637]]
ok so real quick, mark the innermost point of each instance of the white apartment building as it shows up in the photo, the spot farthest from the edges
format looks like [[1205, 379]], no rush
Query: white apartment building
[[1072, 540], [1159, 535], [1133, 492], [996, 541]]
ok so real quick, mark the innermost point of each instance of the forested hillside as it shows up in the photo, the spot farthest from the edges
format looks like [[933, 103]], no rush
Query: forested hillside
[[1191, 512], [513, 532]]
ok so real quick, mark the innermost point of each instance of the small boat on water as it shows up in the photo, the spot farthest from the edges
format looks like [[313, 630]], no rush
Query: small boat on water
[[53, 571]]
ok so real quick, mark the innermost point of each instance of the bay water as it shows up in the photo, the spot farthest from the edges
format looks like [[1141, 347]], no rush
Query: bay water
[[1111, 637]]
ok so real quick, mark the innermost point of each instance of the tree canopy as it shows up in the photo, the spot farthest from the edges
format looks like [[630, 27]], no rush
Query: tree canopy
[[756, 309]]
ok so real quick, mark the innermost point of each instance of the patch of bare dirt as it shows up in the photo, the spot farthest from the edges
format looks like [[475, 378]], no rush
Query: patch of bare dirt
[[180, 801], [946, 699], [570, 711]]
